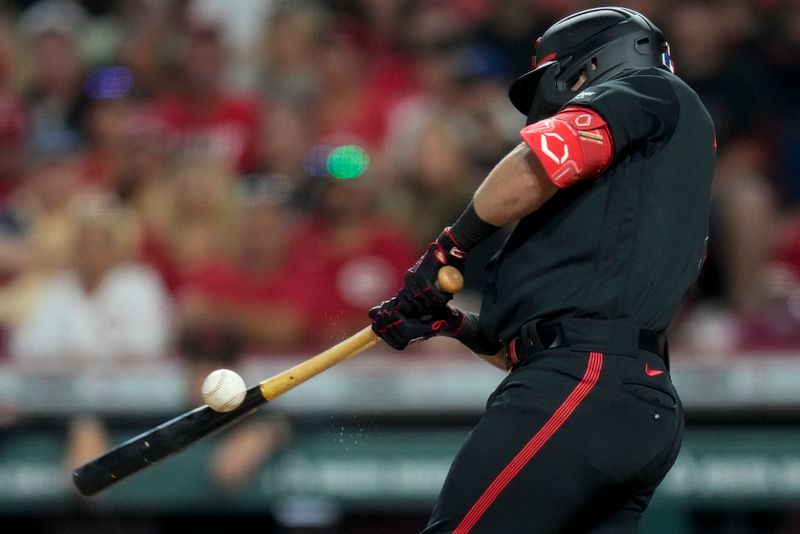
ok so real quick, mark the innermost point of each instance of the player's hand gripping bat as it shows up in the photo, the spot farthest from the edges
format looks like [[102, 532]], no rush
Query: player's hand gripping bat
[[176, 434]]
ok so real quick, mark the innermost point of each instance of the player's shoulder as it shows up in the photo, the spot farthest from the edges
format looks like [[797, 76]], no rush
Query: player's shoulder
[[667, 86], [650, 81], [630, 93], [658, 90]]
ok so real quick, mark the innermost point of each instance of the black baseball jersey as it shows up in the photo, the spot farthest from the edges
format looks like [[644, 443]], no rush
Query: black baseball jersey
[[628, 244]]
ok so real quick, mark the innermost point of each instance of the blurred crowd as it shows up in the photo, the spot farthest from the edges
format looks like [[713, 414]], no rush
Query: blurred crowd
[[210, 179]]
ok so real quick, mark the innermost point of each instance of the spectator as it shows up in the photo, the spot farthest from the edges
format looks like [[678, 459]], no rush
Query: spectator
[[144, 181], [436, 99], [715, 51], [746, 218], [350, 102], [292, 42], [259, 294], [284, 144], [107, 120], [191, 220], [13, 120], [146, 48], [462, 88], [782, 53], [718, 66], [437, 181], [512, 26], [488, 125], [55, 96], [204, 115], [445, 138], [104, 307], [35, 224], [381, 29], [355, 255]]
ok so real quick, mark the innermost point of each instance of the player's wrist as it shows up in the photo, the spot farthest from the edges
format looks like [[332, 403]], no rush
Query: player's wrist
[[455, 242], [448, 250], [470, 229], [464, 326], [419, 290]]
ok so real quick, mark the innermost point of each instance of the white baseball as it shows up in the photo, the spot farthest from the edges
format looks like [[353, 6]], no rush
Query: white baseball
[[223, 390]]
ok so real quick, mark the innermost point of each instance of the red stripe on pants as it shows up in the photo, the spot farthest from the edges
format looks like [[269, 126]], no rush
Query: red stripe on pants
[[532, 447]]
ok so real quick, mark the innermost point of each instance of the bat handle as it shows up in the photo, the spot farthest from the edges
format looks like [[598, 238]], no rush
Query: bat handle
[[449, 279]]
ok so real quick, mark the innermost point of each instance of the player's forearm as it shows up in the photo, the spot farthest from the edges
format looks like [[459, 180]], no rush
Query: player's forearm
[[516, 187], [496, 360], [469, 333]]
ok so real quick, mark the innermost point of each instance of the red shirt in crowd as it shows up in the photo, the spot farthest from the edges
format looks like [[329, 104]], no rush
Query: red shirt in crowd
[[353, 278], [227, 126]]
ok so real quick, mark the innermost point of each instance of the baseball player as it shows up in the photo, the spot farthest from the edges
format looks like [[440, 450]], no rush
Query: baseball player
[[610, 191]]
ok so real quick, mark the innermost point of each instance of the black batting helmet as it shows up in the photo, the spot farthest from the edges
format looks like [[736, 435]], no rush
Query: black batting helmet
[[598, 42]]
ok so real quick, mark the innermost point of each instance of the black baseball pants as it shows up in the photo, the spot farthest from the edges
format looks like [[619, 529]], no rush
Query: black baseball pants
[[572, 441]]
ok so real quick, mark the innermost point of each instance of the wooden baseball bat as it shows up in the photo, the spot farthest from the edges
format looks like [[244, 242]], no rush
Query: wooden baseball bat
[[178, 433]]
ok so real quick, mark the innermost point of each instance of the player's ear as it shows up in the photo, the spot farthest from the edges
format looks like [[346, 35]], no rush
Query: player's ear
[[579, 82]]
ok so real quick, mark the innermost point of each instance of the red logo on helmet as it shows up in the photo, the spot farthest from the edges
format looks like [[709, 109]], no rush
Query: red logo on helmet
[[546, 58]]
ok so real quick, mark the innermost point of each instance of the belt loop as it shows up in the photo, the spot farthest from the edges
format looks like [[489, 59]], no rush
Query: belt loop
[[530, 336]]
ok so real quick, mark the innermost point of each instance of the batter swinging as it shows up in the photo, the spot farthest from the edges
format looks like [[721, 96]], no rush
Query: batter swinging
[[610, 188]]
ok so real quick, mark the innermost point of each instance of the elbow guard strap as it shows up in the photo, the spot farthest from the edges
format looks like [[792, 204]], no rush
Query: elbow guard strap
[[572, 145]]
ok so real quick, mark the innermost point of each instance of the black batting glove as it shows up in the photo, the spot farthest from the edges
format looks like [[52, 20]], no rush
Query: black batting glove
[[398, 329], [419, 292]]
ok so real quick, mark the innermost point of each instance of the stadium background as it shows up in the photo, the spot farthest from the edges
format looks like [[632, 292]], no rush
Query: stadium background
[[186, 185]]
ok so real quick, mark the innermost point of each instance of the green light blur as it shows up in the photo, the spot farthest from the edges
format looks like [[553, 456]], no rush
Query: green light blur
[[347, 162]]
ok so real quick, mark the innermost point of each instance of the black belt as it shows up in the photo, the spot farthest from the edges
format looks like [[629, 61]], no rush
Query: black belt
[[584, 334]]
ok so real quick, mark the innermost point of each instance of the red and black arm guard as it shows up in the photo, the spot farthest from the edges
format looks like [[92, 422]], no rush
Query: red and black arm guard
[[573, 145]]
